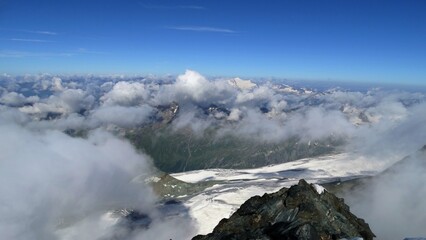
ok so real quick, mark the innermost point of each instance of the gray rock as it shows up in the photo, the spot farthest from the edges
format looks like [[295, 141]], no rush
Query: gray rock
[[298, 212]]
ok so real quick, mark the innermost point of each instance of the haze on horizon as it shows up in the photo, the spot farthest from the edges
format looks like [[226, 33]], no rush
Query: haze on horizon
[[360, 41]]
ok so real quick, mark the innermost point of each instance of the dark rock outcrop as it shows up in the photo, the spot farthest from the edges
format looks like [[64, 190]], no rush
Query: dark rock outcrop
[[167, 113], [298, 212]]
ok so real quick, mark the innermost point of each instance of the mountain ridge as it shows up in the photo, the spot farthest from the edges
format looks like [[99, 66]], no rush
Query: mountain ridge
[[298, 212]]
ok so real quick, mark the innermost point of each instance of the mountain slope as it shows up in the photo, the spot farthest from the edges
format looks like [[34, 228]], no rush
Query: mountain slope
[[183, 150], [302, 211]]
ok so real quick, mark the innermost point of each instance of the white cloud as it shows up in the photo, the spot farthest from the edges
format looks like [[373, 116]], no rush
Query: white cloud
[[191, 87], [57, 84], [66, 102], [194, 85], [13, 115], [68, 179], [317, 123], [126, 94], [128, 102], [123, 116], [389, 109], [260, 93], [55, 168], [393, 204], [389, 139], [14, 99], [235, 114]]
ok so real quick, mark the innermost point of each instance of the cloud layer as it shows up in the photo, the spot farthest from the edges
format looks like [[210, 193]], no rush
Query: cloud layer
[[272, 111], [73, 182]]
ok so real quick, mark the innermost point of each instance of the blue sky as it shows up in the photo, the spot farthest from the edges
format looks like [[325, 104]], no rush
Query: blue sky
[[345, 40]]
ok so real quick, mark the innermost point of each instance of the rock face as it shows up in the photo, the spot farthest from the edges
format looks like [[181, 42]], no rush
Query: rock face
[[298, 212], [167, 113]]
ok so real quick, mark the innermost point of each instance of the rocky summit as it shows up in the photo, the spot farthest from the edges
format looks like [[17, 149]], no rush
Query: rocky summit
[[303, 211]]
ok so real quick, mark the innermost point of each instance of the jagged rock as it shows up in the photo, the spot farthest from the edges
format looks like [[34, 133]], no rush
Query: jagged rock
[[167, 113], [298, 212], [169, 187]]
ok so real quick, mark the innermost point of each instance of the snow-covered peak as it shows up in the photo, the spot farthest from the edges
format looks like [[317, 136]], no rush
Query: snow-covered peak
[[285, 89], [242, 84]]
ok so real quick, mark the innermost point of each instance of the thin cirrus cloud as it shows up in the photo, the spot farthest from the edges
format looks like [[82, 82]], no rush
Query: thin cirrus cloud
[[40, 32], [30, 40], [23, 54], [202, 29]]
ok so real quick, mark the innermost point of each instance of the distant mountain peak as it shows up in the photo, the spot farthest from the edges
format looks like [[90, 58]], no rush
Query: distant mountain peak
[[242, 84]]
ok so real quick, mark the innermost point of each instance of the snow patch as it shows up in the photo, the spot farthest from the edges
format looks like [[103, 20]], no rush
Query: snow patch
[[152, 179], [318, 188], [235, 186]]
